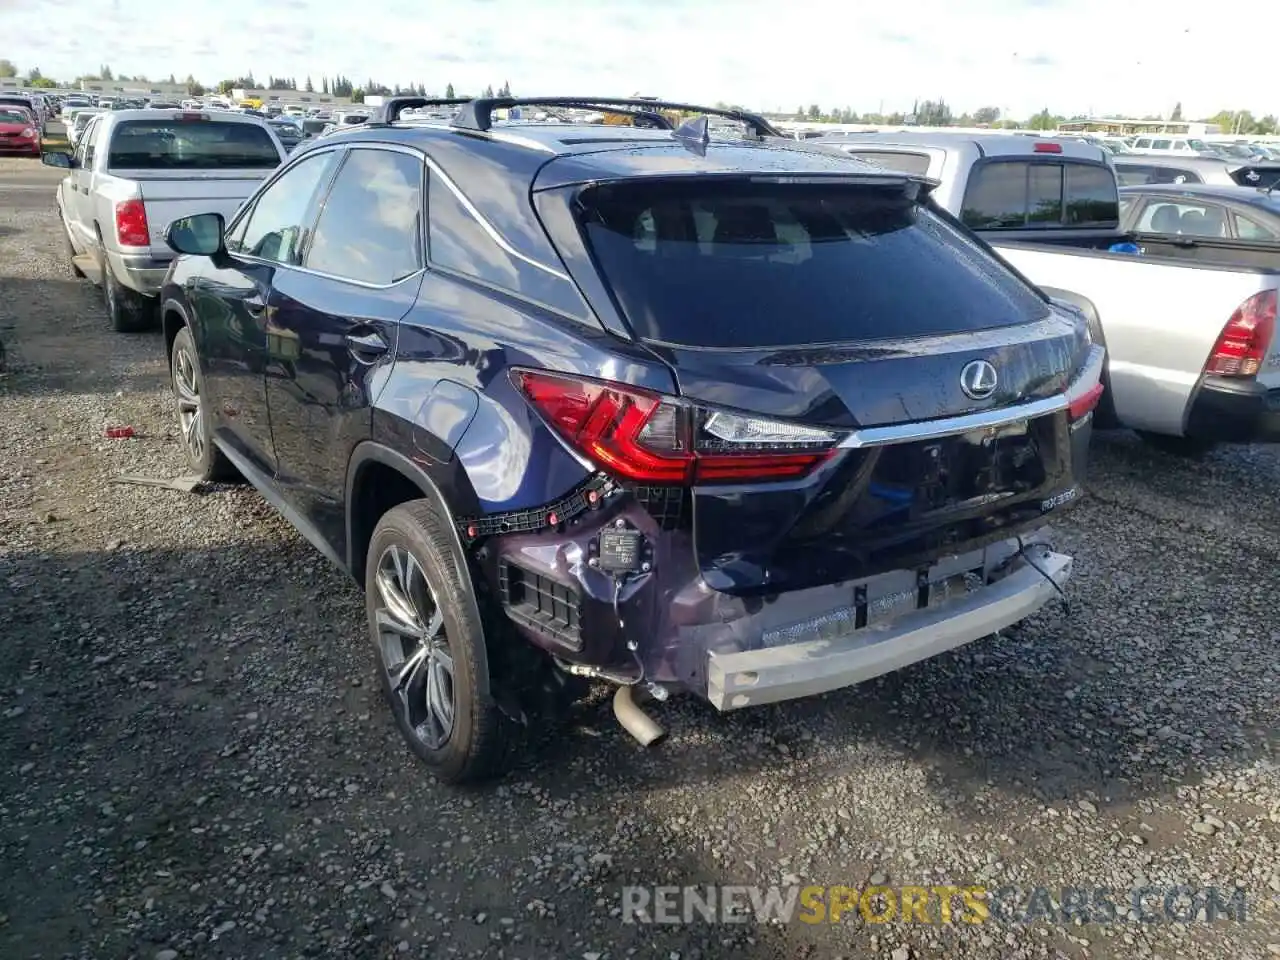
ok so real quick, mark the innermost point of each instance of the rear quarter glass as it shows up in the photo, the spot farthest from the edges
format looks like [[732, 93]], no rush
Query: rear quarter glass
[[740, 264]]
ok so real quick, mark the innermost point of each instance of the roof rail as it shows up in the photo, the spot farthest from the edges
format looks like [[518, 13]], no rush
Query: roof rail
[[478, 113], [391, 108]]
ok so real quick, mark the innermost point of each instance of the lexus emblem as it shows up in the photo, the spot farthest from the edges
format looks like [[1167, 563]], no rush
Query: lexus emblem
[[978, 379]]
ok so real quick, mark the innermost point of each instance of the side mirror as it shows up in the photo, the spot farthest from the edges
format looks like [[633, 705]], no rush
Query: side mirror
[[56, 158], [199, 235]]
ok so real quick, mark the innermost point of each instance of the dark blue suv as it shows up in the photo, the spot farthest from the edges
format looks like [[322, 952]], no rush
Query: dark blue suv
[[624, 401]]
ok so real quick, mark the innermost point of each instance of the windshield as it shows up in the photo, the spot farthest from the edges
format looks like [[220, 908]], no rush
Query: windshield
[[191, 144], [1197, 145], [733, 264], [82, 119], [10, 115]]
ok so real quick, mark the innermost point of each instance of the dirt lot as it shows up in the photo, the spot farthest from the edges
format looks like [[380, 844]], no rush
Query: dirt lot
[[194, 760]]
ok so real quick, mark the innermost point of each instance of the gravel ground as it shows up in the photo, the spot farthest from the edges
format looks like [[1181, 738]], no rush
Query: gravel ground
[[195, 762]]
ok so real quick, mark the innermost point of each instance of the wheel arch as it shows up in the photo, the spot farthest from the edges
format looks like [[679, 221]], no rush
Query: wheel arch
[[368, 497], [173, 317]]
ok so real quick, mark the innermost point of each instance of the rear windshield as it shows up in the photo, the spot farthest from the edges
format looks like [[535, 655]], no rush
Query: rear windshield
[[1256, 175], [1039, 195], [735, 264], [191, 145]]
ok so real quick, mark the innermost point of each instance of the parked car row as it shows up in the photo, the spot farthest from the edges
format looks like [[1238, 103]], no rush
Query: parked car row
[[525, 382]]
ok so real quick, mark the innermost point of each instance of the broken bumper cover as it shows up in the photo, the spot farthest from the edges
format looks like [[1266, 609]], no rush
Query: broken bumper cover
[[772, 674]]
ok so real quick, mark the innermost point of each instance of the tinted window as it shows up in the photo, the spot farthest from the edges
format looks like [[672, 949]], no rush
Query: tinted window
[[1247, 229], [1090, 195], [1008, 194], [1256, 176], [371, 226], [191, 144], [759, 265], [274, 228], [1160, 144], [1142, 144], [914, 163], [460, 243]]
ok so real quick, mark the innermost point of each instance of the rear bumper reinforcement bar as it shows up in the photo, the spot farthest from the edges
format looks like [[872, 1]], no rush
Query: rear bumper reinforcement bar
[[752, 677]]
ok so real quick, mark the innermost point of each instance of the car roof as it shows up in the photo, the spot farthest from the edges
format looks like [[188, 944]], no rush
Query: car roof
[[590, 151], [987, 144], [1175, 160], [151, 113], [1216, 191]]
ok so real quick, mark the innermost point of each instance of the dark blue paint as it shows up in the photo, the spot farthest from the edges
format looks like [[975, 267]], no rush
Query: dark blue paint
[[291, 391]]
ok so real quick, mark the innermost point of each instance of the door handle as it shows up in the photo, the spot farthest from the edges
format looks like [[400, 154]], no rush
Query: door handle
[[366, 347]]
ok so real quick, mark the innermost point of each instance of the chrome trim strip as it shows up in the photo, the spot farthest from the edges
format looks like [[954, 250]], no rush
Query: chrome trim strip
[[949, 427]]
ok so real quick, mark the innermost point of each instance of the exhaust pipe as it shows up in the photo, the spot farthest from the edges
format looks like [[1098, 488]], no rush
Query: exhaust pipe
[[634, 720]]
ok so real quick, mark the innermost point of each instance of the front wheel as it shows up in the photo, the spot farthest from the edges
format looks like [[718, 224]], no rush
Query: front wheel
[[1188, 447], [430, 647]]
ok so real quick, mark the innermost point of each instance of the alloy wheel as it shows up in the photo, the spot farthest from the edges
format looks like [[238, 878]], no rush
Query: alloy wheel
[[190, 411], [413, 647]]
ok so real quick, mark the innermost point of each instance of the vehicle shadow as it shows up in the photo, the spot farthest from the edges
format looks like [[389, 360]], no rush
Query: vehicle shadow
[[217, 713], [48, 358]]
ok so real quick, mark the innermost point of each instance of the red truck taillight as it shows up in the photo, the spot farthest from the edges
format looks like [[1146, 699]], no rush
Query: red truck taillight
[[131, 224], [1242, 345]]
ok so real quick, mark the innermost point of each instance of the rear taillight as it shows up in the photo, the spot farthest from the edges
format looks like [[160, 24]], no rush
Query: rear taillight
[[131, 224], [652, 438], [1085, 391], [1242, 346]]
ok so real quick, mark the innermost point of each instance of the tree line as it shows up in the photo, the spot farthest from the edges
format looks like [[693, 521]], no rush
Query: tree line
[[930, 113]]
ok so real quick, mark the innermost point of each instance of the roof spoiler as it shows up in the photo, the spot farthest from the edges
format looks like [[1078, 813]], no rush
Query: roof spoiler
[[391, 108], [477, 114]]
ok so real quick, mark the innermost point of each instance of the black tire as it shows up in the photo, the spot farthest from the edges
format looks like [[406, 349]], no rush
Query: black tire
[[128, 310], [477, 744], [204, 459], [1189, 447]]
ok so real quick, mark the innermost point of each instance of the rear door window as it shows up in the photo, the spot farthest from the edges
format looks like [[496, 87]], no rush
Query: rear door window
[[733, 264], [1015, 194], [176, 144], [370, 229]]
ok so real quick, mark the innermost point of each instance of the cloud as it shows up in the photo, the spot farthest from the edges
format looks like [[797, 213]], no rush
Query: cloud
[[862, 55]]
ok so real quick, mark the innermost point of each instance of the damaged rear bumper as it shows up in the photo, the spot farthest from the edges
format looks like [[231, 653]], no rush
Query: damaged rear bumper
[[751, 677]]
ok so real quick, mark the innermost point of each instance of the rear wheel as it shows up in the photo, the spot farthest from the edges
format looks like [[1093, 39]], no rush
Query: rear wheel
[[204, 459], [128, 310], [429, 647], [1189, 447]]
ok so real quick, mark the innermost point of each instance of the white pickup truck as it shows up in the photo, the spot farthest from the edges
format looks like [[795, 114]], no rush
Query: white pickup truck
[[1192, 353], [132, 173]]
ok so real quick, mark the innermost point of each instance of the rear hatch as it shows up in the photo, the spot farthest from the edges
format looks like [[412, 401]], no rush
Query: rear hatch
[[190, 163], [829, 335]]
